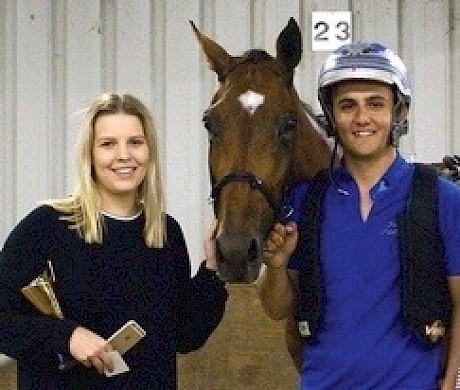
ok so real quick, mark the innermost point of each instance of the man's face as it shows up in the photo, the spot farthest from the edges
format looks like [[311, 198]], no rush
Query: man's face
[[362, 112]]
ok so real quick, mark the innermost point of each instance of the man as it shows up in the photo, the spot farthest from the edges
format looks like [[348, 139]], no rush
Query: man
[[362, 338]]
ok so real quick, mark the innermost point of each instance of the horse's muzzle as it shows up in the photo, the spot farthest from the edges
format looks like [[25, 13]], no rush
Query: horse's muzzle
[[239, 258]]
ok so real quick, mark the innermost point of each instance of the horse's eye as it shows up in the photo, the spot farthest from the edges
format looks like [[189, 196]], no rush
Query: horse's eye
[[287, 127]]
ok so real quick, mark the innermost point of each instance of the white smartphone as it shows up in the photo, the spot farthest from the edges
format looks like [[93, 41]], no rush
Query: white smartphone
[[127, 336]]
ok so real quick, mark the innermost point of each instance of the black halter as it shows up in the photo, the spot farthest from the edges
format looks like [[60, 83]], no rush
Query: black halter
[[281, 212]]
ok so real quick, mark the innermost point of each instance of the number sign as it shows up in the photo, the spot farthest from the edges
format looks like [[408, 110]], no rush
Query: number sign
[[330, 30]]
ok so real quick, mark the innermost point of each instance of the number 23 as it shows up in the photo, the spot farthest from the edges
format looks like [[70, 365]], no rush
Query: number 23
[[342, 31]]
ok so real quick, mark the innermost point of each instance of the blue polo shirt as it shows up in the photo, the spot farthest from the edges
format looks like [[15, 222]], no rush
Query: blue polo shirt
[[361, 341]]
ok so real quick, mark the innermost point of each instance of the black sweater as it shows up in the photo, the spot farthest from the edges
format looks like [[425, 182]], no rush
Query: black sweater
[[100, 287]]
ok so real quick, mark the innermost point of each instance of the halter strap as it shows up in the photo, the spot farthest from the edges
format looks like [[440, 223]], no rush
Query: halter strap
[[282, 213]]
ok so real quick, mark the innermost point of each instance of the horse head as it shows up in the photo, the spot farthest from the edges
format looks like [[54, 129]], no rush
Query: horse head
[[261, 139]]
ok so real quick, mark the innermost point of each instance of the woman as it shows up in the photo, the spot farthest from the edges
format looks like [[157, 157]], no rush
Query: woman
[[115, 256]]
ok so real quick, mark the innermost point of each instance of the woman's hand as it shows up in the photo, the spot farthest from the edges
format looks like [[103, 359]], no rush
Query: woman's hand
[[210, 246], [90, 349]]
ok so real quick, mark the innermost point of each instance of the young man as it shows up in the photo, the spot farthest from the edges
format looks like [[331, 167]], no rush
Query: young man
[[362, 337]]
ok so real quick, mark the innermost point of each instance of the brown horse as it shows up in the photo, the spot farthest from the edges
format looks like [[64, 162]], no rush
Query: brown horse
[[261, 139]]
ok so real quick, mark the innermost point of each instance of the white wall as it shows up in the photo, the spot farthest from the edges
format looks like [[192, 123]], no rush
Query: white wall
[[56, 55]]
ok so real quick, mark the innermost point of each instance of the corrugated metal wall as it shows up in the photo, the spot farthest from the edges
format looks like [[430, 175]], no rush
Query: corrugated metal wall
[[56, 55]]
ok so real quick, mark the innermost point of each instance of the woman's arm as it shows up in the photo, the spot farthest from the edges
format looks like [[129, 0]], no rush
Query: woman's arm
[[201, 299]]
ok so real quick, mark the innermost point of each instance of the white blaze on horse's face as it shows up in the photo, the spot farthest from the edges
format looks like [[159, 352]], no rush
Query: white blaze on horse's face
[[251, 100]]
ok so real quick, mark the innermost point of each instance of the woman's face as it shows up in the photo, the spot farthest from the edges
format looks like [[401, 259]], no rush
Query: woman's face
[[120, 157]]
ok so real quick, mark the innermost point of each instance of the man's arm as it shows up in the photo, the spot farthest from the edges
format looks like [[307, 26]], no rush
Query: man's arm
[[453, 359], [275, 285], [278, 286]]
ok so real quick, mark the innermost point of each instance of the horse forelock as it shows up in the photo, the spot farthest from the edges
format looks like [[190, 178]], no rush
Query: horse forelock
[[255, 57]]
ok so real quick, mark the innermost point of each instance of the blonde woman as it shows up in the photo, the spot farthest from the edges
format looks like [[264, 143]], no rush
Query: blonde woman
[[116, 256]]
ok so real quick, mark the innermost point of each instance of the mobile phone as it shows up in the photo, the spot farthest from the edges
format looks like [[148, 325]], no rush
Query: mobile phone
[[127, 336]]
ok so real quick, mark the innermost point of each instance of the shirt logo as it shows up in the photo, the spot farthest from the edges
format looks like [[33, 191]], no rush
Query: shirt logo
[[390, 230]]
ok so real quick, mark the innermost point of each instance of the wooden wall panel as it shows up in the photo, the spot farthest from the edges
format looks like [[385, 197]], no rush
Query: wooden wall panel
[[426, 50], [56, 129], [32, 116], [454, 76], [185, 168], [8, 104], [133, 60], [84, 78], [378, 20]]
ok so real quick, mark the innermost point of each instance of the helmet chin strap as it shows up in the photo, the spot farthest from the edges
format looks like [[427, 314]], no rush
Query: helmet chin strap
[[397, 130], [400, 125]]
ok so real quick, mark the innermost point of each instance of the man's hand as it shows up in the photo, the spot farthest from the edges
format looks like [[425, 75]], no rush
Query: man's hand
[[280, 244], [90, 349]]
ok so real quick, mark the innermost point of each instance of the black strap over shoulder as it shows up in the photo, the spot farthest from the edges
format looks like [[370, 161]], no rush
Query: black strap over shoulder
[[426, 299], [425, 292], [310, 297]]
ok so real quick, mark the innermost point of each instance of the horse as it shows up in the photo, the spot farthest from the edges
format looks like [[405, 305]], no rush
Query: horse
[[262, 139]]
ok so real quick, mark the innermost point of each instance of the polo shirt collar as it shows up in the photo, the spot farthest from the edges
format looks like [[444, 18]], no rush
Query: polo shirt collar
[[397, 170]]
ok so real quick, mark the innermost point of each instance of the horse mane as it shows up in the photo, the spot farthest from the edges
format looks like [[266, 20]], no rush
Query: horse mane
[[318, 118], [254, 56], [309, 108]]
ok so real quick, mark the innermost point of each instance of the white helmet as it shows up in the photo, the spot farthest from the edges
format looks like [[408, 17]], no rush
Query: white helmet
[[367, 61]]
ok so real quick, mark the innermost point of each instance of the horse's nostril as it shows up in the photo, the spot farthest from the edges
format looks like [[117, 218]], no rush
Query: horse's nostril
[[252, 251]]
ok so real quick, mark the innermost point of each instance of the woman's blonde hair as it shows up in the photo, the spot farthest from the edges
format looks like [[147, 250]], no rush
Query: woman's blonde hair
[[81, 209]]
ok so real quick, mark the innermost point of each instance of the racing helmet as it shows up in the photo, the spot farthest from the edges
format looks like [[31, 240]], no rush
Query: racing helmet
[[367, 61]]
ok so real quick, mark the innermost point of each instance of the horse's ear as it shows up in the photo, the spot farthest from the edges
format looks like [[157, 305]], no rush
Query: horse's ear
[[289, 46], [218, 59]]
